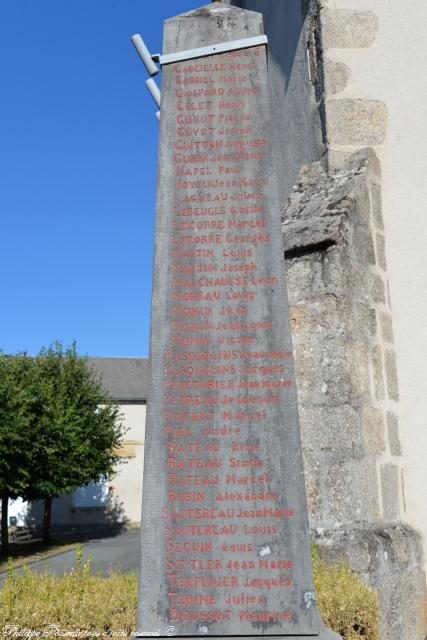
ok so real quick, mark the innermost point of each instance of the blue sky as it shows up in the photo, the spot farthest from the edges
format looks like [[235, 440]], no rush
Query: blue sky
[[78, 153]]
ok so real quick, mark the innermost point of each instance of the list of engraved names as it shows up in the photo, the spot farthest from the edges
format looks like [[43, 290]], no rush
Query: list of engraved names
[[226, 515]]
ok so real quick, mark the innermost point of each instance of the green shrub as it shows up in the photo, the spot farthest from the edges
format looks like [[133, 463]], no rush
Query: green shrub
[[74, 602], [346, 604]]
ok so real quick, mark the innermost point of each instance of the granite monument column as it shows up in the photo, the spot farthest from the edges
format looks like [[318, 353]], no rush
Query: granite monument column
[[225, 547]]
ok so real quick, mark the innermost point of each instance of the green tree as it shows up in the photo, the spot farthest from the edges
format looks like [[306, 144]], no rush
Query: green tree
[[18, 408], [59, 430], [77, 431]]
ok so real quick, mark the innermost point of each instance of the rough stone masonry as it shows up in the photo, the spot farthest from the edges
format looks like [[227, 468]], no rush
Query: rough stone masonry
[[347, 385]]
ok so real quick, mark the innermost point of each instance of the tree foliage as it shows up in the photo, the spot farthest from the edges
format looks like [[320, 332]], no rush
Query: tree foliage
[[16, 421], [58, 428], [77, 431]]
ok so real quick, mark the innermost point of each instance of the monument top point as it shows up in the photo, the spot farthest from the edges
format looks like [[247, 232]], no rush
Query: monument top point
[[212, 23], [211, 9]]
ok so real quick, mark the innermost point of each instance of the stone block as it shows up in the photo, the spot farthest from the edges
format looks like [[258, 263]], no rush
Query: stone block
[[312, 472], [391, 374], [334, 273], [315, 274], [308, 378], [355, 122], [305, 277], [380, 251], [330, 372], [337, 159], [342, 28], [377, 370], [325, 315], [372, 322], [373, 429], [358, 281], [393, 434], [337, 76], [298, 319], [402, 488], [342, 372], [361, 323], [363, 200], [363, 244], [390, 560], [388, 294], [330, 429], [352, 491], [366, 158], [358, 368], [377, 207], [386, 327], [390, 491], [377, 288]]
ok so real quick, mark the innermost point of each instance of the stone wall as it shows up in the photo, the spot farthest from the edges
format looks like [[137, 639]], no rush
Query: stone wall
[[347, 384], [371, 88]]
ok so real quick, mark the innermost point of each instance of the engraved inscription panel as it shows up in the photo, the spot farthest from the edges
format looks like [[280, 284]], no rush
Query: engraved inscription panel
[[225, 506]]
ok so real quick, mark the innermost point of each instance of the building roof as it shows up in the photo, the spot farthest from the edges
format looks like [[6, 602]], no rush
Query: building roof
[[125, 379]]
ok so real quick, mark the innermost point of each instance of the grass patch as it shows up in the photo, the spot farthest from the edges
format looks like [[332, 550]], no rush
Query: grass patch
[[346, 604], [35, 551], [92, 605], [95, 606]]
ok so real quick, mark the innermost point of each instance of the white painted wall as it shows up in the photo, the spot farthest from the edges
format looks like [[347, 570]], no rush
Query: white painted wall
[[127, 484], [124, 489], [393, 70]]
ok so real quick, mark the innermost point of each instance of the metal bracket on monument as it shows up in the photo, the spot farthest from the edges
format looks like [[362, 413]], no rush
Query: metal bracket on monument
[[212, 49]]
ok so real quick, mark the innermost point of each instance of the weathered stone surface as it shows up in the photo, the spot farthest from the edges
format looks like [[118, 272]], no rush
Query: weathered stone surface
[[329, 316], [223, 471], [330, 429], [363, 244], [386, 327], [372, 322], [319, 206], [380, 251], [352, 494], [355, 122], [307, 224], [391, 375], [305, 277], [377, 207], [335, 479], [393, 434], [324, 314], [363, 202], [373, 429], [377, 366], [337, 299], [342, 28], [313, 483], [331, 371], [358, 368], [390, 491], [337, 75], [377, 288], [389, 558]]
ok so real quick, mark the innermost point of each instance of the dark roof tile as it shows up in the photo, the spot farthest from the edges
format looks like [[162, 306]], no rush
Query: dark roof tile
[[125, 379]]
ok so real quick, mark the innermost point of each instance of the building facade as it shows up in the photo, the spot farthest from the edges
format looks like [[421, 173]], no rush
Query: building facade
[[111, 504]]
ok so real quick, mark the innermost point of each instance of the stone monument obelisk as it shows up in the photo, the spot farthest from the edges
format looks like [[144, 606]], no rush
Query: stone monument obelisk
[[225, 545]]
